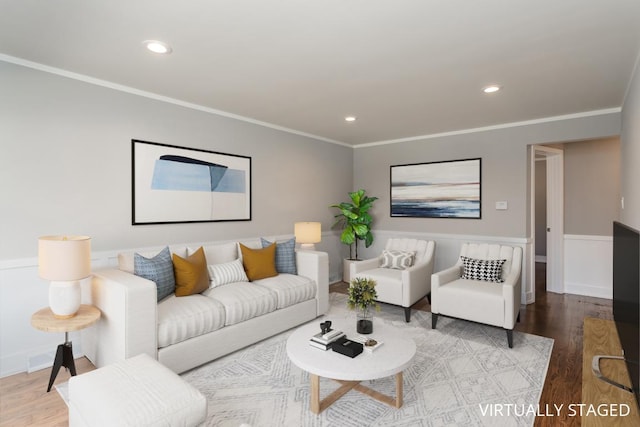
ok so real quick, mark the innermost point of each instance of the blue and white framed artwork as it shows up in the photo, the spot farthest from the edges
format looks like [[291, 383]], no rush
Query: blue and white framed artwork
[[449, 189], [177, 184]]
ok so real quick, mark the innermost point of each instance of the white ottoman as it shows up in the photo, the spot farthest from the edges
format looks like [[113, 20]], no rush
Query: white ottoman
[[135, 392]]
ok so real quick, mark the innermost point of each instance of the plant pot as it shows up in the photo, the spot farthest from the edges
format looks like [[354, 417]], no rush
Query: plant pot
[[364, 322], [346, 268]]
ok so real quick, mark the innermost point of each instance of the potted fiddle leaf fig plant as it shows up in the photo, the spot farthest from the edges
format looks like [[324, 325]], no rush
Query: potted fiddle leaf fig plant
[[362, 297], [355, 220]]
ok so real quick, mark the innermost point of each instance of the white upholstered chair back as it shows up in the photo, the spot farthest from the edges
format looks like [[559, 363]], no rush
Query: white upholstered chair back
[[417, 246], [488, 251]]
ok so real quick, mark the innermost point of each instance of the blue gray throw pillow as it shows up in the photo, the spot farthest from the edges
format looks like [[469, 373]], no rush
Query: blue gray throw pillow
[[285, 255], [159, 269]]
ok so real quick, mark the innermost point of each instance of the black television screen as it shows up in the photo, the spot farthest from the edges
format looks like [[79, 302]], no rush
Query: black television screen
[[626, 298]]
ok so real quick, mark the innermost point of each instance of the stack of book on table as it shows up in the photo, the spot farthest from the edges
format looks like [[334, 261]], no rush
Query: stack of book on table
[[323, 341]]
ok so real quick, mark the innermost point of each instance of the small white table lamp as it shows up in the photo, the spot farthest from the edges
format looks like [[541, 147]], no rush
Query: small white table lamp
[[64, 260], [307, 234]]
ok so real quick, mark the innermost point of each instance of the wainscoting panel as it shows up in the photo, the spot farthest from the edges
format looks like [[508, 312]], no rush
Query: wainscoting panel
[[588, 265]]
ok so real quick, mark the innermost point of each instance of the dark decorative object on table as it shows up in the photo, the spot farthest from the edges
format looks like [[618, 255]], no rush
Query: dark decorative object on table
[[347, 347], [362, 296]]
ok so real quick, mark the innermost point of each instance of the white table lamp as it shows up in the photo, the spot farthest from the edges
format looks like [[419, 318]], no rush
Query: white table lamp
[[307, 234], [64, 260]]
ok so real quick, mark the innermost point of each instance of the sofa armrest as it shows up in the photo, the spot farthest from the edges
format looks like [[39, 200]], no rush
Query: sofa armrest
[[128, 325], [315, 266]]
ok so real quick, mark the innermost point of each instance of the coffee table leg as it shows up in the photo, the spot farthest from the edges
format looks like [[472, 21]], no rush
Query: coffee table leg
[[315, 393], [399, 385]]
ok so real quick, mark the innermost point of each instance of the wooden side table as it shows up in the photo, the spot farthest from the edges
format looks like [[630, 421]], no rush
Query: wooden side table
[[44, 320]]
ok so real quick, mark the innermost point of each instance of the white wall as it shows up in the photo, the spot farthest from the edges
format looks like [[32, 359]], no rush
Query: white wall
[[65, 168], [630, 152]]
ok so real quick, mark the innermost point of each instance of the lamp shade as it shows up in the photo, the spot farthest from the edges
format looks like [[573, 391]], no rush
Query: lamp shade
[[64, 258], [308, 232]]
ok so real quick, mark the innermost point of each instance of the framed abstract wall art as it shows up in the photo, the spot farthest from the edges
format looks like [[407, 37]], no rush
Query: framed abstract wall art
[[450, 189], [173, 184]]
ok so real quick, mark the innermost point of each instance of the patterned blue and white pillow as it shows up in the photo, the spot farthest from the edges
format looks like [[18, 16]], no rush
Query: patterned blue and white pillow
[[158, 269], [488, 270], [227, 272], [398, 260], [285, 255]]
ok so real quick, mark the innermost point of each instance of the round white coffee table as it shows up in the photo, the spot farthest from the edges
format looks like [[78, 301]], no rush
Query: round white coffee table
[[394, 356]]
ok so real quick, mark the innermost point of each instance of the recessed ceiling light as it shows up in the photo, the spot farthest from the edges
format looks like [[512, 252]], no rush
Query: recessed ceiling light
[[491, 89], [156, 46], [350, 118]]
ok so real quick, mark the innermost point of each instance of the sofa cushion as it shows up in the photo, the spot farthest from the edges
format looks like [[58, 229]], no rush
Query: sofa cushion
[[158, 269], [399, 260], [186, 317], [285, 255], [218, 254], [243, 301], [228, 272], [488, 270], [259, 263], [290, 289], [191, 274]]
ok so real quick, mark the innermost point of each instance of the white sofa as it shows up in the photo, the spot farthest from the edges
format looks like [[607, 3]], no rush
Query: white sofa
[[185, 332]]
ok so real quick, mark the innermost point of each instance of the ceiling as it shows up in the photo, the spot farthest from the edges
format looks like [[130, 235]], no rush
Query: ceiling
[[404, 68]]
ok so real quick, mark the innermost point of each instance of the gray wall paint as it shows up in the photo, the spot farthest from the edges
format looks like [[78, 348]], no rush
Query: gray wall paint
[[591, 186], [65, 165], [505, 175], [630, 153]]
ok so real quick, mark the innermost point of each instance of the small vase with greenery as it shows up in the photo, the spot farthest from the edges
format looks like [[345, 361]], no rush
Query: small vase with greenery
[[362, 297], [356, 221]]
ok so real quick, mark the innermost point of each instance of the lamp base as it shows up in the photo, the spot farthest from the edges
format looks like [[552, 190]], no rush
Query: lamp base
[[64, 299], [308, 246]]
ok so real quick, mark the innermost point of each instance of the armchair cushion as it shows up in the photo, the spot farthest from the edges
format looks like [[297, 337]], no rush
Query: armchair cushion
[[487, 270], [398, 260]]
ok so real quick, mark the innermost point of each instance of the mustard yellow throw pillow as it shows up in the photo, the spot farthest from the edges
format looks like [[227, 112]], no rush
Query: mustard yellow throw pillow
[[259, 263], [191, 274]]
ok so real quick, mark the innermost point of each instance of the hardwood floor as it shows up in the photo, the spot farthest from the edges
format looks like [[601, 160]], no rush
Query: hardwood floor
[[25, 402]]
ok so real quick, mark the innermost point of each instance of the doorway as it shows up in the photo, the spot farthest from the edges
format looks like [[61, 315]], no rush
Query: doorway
[[553, 230]]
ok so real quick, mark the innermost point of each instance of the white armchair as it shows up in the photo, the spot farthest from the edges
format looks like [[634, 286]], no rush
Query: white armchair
[[481, 301], [403, 287]]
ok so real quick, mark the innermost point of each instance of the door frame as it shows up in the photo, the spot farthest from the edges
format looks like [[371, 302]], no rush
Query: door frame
[[555, 218]]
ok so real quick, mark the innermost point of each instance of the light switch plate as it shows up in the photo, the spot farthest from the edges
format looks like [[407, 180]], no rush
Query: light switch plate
[[501, 206]]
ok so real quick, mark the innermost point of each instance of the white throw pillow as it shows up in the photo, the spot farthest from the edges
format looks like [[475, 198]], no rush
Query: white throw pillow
[[228, 272], [398, 260]]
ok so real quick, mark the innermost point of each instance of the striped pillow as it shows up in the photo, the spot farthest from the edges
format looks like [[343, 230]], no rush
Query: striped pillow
[[228, 272]]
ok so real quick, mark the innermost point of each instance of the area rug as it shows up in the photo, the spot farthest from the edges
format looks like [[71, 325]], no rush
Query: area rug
[[464, 374]]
